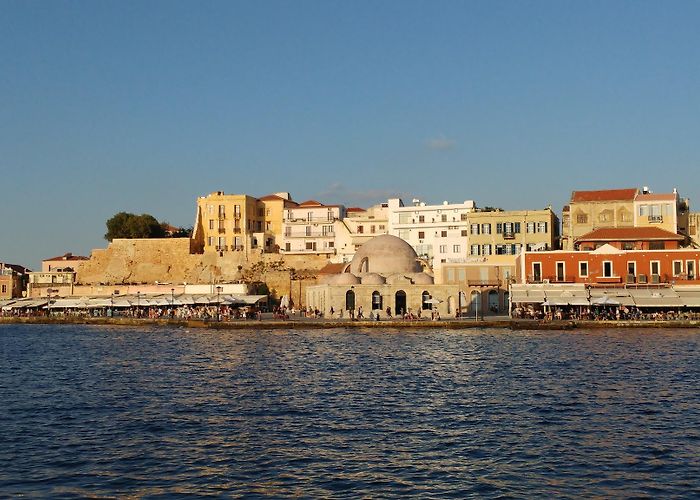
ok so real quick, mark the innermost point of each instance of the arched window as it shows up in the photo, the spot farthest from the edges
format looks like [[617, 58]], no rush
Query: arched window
[[493, 301], [376, 300], [364, 265], [475, 302], [349, 300], [425, 301]]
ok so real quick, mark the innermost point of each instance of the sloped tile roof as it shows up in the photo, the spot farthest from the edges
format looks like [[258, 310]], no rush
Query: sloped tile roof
[[604, 195], [629, 234]]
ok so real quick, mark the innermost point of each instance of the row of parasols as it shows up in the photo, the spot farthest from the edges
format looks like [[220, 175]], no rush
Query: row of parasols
[[128, 301]]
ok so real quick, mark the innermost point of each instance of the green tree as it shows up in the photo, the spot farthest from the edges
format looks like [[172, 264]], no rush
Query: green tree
[[126, 225]]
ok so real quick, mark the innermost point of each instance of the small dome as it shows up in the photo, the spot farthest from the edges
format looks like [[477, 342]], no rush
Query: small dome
[[422, 279], [398, 279], [372, 279], [344, 279], [385, 254]]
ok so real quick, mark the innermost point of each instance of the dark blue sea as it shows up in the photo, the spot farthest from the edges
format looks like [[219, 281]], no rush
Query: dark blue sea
[[107, 412]]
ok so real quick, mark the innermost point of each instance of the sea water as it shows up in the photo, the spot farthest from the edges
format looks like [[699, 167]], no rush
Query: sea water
[[164, 412]]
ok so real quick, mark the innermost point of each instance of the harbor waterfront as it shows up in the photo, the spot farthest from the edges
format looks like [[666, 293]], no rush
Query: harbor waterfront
[[161, 411]]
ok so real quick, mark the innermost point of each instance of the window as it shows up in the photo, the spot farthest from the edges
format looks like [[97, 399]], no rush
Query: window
[[4, 288], [462, 217], [631, 268], [329, 216], [331, 244], [464, 232], [605, 216], [443, 218], [372, 229], [474, 250], [583, 269], [607, 269], [516, 227], [425, 301], [443, 248], [211, 223], [643, 210], [308, 231], [311, 245], [421, 218], [222, 211], [655, 267], [443, 234], [326, 230], [486, 228], [561, 271], [381, 227], [656, 245], [421, 235], [268, 225], [677, 267], [530, 227], [287, 231], [690, 269], [268, 212], [210, 208], [500, 249], [508, 227], [536, 271], [210, 241], [455, 249], [237, 210], [499, 228], [376, 301], [541, 227], [475, 228], [360, 229], [628, 245], [486, 250], [581, 219], [451, 275]]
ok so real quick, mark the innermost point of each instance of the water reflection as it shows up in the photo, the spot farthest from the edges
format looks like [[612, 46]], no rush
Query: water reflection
[[105, 411]]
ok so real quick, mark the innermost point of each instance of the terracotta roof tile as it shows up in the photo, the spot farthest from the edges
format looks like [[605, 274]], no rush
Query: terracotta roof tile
[[604, 195], [355, 209], [629, 234], [332, 268], [67, 256], [655, 197]]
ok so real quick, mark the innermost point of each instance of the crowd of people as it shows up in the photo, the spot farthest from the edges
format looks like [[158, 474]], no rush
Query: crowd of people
[[622, 313]]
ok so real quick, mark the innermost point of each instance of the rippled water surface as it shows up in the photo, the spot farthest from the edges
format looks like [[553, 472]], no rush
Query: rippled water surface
[[93, 411]]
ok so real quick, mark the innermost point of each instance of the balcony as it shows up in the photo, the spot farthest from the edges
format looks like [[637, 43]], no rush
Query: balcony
[[488, 283], [655, 219], [222, 230], [509, 236], [221, 248]]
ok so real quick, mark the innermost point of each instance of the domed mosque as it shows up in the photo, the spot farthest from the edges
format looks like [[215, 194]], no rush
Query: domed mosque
[[386, 278]]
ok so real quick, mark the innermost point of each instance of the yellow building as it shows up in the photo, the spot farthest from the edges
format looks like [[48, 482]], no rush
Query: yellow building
[[239, 222], [619, 208], [508, 232]]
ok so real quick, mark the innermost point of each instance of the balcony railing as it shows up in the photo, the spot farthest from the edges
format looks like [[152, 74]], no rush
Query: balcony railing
[[655, 219], [310, 219]]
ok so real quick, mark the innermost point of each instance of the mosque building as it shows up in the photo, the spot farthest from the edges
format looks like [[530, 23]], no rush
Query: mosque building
[[384, 277]]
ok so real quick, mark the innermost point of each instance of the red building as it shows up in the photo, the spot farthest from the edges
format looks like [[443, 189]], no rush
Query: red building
[[611, 266]]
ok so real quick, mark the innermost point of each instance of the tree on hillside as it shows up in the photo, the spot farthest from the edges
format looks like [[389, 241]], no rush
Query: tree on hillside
[[126, 225]]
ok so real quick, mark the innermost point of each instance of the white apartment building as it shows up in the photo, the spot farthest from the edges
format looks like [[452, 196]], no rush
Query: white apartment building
[[359, 226], [438, 233], [310, 228]]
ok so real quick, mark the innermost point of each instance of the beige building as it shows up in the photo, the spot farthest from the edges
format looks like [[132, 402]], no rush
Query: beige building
[[239, 222], [13, 280], [694, 228], [621, 208], [359, 226], [68, 262]]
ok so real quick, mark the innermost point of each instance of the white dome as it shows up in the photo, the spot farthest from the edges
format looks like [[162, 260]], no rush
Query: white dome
[[385, 254], [372, 279]]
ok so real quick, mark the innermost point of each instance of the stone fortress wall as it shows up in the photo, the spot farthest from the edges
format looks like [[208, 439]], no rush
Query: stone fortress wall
[[172, 260]]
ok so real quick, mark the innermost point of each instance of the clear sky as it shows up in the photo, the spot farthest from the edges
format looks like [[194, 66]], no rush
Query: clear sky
[[143, 106]]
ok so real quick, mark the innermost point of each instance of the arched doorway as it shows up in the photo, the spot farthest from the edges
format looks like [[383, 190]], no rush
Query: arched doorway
[[493, 301], [376, 300], [400, 302], [475, 302], [349, 300], [425, 301], [364, 265]]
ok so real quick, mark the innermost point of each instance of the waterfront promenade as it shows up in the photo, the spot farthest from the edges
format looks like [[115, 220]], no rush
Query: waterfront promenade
[[268, 323]]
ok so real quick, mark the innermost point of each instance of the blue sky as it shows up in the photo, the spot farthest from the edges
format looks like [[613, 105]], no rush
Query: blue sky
[[143, 106]]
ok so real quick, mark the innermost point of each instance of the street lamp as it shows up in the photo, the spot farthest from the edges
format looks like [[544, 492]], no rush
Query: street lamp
[[172, 303], [218, 303], [138, 304]]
